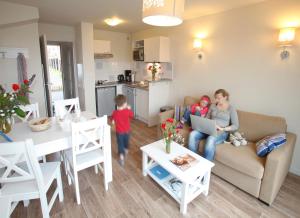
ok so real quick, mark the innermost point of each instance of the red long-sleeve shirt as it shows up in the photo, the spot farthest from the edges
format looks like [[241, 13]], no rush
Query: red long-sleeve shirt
[[122, 120], [203, 111]]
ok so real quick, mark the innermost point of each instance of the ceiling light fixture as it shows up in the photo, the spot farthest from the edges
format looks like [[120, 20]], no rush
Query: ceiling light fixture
[[114, 21], [163, 12]]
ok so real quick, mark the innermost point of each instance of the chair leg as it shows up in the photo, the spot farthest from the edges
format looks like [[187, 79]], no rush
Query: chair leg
[[59, 186], [44, 205], [44, 159], [105, 177], [61, 156], [68, 173], [96, 169], [26, 203], [76, 183]]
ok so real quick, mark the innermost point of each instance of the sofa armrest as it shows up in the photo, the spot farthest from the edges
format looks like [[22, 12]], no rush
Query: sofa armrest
[[276, 168], [163, 116]]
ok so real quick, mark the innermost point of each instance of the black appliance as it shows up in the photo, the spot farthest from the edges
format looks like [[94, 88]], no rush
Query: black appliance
[[121, 78], [100, 82], [138, 54], [128, 76]]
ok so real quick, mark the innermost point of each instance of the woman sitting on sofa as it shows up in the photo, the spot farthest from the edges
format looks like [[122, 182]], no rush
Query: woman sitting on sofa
[[226, 119]]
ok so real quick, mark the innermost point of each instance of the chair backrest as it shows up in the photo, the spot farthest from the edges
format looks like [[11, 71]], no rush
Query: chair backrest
[[89, 135], [18, 163], [64, 107], [32, 111]]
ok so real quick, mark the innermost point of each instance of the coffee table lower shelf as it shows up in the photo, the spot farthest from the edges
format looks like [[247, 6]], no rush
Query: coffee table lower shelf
[[193, 190]]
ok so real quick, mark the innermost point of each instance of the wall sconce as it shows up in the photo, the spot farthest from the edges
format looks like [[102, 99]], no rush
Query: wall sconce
[[286, 38], [197, 45]]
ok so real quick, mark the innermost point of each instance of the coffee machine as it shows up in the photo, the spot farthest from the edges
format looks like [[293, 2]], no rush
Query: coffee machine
[[128, 76]]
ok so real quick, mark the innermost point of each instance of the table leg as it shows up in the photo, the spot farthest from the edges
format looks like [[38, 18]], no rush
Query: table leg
[[145, 163], [184, 198], [206, 182]]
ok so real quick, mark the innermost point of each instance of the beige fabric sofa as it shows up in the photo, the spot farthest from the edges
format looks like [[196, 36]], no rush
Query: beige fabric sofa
[[260, 177]]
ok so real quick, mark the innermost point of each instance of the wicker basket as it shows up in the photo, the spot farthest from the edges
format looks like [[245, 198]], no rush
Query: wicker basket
[[39, 124]]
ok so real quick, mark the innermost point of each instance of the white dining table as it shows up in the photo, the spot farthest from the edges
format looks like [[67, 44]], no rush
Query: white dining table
[[46, 142], [55, 139]]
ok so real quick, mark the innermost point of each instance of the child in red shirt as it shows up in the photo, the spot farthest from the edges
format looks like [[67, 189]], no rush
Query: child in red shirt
[[121, 118], [199, 109]]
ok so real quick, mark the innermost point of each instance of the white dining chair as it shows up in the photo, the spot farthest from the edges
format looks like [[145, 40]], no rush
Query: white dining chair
[[23, 178], [91, 146], [31, 110], [66, 106]]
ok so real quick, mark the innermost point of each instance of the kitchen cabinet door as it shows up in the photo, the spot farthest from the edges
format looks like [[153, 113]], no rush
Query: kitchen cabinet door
[[157, 49], [142, 105]]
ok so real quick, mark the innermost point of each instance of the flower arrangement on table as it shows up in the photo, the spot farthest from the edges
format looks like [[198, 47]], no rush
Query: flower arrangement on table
[[170, 132], [154, 68], [10, 103]]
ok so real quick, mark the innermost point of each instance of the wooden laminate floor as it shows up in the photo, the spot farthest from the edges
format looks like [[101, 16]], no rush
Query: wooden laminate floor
[[132, 195]]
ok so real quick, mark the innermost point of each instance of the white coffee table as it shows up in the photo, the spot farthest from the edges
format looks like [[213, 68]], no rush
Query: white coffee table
[[194, 180]]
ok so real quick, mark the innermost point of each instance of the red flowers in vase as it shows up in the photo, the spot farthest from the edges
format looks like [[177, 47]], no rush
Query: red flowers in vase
[[10, 102], [169, 132]]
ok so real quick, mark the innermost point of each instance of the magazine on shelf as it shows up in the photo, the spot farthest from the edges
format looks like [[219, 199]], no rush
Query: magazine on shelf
[[159, 172], [184, 162], [175, 185]]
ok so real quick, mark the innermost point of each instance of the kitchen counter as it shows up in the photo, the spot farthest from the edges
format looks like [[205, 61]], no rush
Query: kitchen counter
[[132, 85]]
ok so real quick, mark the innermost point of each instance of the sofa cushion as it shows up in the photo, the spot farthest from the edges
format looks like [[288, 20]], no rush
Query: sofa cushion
[[257, 126], [190, 100], [269, 143], [242, 159]]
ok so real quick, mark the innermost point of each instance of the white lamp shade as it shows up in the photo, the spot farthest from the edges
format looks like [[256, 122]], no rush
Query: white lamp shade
[[170, 14], [286, 35], [197, 44]]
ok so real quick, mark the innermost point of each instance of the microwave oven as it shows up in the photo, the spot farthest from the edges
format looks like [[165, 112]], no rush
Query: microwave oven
[[138, 54]]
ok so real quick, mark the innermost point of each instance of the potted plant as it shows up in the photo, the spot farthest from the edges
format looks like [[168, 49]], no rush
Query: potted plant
[[10, 103], [169, 132]]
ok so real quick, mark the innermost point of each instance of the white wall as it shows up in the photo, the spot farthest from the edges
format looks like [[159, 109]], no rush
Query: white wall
[[54, 32], [18, 31], [85, 56], [121, 50], [11, 13], [24, 36], [241, 55]]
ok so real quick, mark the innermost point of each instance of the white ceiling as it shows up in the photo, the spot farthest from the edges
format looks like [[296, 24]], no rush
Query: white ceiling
[[70, 12]]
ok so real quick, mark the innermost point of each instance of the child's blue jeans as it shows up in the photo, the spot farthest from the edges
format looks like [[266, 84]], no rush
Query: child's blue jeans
[[187, 116], [123, 142]]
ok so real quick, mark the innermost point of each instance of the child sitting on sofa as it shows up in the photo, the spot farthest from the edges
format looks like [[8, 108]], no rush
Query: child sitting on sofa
[[198, 109]]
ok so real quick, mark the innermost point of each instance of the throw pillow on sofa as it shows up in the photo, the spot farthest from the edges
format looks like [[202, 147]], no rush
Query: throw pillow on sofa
[[269, 143]]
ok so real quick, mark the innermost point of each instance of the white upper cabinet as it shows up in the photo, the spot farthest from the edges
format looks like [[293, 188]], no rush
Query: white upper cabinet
[[157, 49], [102, 47]]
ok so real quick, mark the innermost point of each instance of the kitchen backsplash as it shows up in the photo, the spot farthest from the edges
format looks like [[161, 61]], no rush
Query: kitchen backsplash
[[142, 73], [106, 69]]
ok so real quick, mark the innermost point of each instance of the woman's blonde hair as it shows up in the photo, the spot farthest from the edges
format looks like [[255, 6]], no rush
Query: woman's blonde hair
[[223, 92]]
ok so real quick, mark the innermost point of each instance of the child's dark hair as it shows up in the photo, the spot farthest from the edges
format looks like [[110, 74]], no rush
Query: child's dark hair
[[120, 100]]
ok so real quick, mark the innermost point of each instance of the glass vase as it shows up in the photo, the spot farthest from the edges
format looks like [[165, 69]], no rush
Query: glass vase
[[168, 146], [153, 76], [5, 125]]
